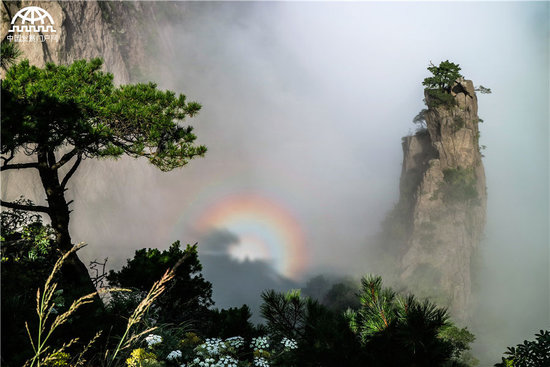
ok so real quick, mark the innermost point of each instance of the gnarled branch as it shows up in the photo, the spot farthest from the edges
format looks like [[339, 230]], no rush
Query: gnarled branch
[[66, 157], [71, 171], [32, 208], [7, 159], [6, 167]]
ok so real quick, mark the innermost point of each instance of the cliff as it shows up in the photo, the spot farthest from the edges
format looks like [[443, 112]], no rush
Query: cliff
[[126, 35], [439, 219]]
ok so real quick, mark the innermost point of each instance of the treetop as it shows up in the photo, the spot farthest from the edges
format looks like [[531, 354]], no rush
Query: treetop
[[78, 106]]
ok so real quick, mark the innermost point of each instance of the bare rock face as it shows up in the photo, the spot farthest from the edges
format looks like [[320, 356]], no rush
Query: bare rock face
[[443, 195], [113, 31]]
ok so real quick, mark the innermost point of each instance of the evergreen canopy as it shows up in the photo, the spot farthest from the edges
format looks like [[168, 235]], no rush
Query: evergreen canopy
[[78, 106], [443, 77]]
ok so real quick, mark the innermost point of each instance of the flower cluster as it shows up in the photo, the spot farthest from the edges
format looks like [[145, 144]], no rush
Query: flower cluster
[[213, 352], [211, 346], [261, 362], [175, 354], [289, 343], [153, 339], [208, 362], [260, 344], [227, 361], [235, 341]]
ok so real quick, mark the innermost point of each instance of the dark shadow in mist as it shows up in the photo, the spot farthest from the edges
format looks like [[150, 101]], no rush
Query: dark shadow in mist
[[235, 282]]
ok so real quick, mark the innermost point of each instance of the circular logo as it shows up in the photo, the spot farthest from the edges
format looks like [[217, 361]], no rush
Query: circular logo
[[32, 14], [33, 19]]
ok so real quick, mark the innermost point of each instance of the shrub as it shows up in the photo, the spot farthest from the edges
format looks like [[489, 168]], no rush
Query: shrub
[[399, 330], [529, 353], [436, 98]]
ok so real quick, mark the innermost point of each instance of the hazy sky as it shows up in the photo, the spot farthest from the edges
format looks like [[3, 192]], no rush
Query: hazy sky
[[304, 108]]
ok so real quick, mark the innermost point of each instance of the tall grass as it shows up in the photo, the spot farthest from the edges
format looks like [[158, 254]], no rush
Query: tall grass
[[156, 290], [43, 353]]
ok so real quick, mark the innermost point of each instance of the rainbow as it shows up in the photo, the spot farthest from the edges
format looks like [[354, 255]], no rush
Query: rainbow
[[266, 231]]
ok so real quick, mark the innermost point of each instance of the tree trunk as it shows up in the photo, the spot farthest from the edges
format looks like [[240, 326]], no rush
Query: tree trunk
[[74, 272]]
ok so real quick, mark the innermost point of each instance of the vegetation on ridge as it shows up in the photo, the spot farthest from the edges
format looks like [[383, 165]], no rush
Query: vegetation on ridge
[[438, 86]]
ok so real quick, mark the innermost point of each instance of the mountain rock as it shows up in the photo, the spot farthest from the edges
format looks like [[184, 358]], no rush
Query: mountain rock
[[438, 222]]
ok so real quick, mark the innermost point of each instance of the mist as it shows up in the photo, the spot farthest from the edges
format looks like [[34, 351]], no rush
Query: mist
[[304, 106]]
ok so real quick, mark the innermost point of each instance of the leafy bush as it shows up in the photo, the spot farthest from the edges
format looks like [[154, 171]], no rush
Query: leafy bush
[[530, 353], [226, 323], [188, 296], [27, 260], [436, 97]]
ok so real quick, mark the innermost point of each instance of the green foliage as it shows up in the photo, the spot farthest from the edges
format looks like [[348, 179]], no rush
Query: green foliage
[[460, 340], [143, 358], [93, 116], [458, 186], [24, 237], [443, 76], [188, 296], [529, 353], [438, 86], [323, 336], [483, 90], [9, 53], [26, 263], [400, 330], [378, 309], [436, 98], [285, 313], [226, 323]]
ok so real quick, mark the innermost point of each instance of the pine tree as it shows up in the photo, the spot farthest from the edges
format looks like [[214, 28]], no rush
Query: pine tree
[[60, 115]]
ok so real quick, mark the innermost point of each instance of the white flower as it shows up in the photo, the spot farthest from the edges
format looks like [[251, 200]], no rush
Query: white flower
[[289, 343], [153, 339], [235, 341], [260, 343], [228, 361], [175, 354], [261, 362], [211, 347]]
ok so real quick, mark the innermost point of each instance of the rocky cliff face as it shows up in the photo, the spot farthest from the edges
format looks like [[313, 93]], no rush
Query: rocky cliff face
[[442, 202], [121, 33]]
